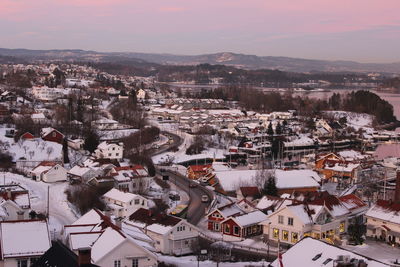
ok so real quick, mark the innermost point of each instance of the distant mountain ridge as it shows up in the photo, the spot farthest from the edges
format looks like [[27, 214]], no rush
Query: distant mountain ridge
[[224, 58]]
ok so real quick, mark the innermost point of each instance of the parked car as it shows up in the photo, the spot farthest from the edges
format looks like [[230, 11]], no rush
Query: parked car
[[193, 185], [204, 198]]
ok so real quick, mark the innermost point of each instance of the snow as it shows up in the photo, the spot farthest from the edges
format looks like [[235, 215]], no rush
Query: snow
[[340, 167], [60, 211], [191, 261], [117, 195], [381, 213], [109, 240], [115, 134], [303, 252], [36, 150], [251, 218], [159, 229], [90, 217], [83, 240], [27, 238], [301, 213], [355, 120], [233, 179], [296, 179], [377, 250]]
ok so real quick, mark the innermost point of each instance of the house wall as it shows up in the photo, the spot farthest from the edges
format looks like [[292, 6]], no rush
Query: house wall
[[13, 262], [125, 252], [54, 136], [213, 220], [297, 227], [375, 228], [55, 174], [113, 151]]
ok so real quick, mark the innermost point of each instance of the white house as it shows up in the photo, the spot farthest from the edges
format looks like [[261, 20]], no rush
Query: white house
[[14, 203], [108, 244], [123, 204], [141, 95], [23, 242], [172, 235], [107, 150], [133, 179], [324, 217], [49, 172], [383, 221]]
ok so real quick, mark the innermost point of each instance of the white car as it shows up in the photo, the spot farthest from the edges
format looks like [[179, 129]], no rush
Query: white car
[[204, 198]]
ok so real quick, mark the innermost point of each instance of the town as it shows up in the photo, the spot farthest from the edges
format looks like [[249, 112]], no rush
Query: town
[[125, 170]]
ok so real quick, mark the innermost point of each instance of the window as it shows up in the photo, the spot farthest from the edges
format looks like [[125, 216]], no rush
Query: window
[[22, 263], [117, 263], [285, 235], [117, 154], [280, 219], [135, 262], [295, 237], [54, 134], [137, 201], [109, 154], [342, 227], [227, 228], [276, 233], [290, 221], [236, 230]]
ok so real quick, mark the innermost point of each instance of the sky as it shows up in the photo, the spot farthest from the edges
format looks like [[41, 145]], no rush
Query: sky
[[360, 30]]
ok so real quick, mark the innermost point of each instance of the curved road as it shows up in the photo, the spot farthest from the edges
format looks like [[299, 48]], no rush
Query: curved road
[[196, 209]]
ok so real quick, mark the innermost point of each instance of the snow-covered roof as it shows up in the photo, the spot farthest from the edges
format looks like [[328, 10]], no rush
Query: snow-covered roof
[[300, 212], [107, 241], [90, 217], [386, 211], [311, 252], [251, 218], [120, 196], [296, 179], [78, 170], [24, 238], [82, 240], [159, 229], [342, 167], [233, 179]]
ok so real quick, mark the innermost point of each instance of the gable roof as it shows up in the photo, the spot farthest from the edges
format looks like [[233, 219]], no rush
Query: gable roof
[[24, 238], [250, 191], [311, 252]]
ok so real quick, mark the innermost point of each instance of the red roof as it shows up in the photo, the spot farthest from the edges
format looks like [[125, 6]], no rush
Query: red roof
[[353, 199], [250, 191], [199, 168], [389, 205]]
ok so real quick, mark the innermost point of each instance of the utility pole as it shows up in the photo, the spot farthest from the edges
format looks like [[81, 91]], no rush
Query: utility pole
[[48, 202]]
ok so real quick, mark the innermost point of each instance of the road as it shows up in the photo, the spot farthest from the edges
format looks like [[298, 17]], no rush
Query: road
[[196, 209]]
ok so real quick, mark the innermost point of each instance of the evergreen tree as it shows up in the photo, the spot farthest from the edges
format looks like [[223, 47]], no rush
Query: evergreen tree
[[356, 232], [270, 130], [270, 187], [278, 129], [65, 151], [91, 141]]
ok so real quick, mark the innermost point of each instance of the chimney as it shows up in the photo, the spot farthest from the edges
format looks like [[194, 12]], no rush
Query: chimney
[[84, 256], [397, 192]]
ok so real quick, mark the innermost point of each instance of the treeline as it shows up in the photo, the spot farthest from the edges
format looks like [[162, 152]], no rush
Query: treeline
[[251, 99], [364, 102]]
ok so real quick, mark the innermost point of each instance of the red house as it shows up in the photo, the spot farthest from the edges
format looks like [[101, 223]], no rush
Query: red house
[[27, 135], [245, 225], [52, 135], [216, 216]]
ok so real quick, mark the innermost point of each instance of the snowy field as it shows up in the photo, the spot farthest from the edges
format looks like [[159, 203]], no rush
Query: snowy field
[[355, 120], [60, 211]]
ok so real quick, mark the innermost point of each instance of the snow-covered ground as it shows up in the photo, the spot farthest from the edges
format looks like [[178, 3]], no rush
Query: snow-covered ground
[[376, 250], [355, 120], [60, 211], [115, 134]]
